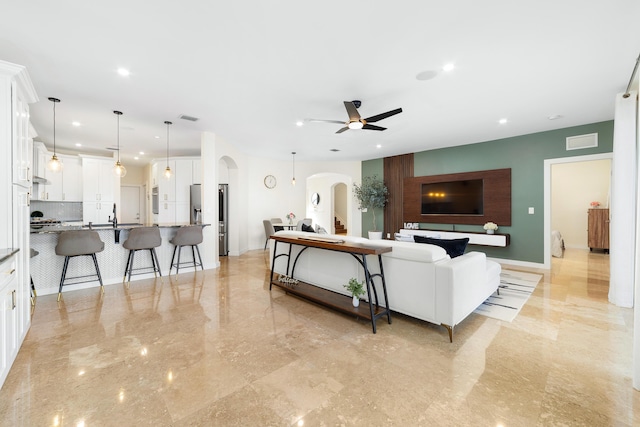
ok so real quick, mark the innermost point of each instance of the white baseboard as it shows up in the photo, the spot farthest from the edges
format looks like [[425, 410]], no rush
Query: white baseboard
[[519, 263]]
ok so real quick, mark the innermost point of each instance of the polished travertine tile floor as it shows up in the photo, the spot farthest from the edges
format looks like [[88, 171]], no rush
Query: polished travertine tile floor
[[217, 348]]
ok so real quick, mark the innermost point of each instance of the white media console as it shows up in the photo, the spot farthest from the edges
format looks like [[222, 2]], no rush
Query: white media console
[[500, 240]]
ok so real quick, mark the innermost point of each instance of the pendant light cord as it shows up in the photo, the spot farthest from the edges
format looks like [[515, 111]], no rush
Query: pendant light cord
[[168, 123]]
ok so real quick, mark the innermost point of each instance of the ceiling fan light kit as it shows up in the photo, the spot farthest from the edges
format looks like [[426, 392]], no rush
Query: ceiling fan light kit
[[356, 121]]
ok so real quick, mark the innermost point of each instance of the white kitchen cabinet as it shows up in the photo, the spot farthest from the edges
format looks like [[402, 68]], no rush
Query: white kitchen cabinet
[[98, 189], [174, 193], [167, 213], [72, 179], [97, 212], [99, 179], [16, 92], [53, 190], [8, 316], [183, 179], [167, 187], [197, 172]]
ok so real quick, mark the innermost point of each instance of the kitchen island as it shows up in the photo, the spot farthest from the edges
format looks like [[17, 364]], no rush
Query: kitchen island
[[46, 267]]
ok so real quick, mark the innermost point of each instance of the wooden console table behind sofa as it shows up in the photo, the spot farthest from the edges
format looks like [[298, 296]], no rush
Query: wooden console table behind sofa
[[326, 297]]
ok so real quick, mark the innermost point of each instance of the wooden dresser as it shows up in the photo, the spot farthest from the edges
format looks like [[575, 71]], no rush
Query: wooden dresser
[[598, 229]]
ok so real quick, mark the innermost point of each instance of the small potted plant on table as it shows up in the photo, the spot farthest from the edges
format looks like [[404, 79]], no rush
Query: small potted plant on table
[[357, 290]]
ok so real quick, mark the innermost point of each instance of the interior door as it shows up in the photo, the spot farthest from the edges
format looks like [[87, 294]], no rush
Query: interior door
[[130, 200]]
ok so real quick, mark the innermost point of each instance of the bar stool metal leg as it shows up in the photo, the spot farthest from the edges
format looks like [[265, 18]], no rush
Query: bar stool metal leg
[[199, 257], [95, 262]]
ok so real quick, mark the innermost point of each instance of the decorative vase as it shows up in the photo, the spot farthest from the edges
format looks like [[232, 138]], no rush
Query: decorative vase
[[290, 221], [356, 301], [490, 231], [375, 235]]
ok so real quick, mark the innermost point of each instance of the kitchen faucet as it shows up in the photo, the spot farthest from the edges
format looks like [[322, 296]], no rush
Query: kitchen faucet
[[114, 220]]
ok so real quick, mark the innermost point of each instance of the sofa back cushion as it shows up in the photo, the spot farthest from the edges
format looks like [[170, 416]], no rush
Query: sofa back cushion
[[454, 247]]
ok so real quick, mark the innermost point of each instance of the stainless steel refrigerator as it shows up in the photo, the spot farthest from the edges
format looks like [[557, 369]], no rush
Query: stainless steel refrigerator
[[196, 205], [223, 219]]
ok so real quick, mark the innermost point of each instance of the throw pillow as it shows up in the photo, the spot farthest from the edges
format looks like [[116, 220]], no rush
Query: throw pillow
[[278, 228], [454, 247], [321, 230], [308, 228]]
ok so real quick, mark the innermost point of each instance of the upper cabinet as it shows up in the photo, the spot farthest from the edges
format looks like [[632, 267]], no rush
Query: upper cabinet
[[99, 180], [62, 186], [174, 193]]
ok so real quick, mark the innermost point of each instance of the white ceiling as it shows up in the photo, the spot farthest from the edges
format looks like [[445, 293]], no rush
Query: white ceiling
[[250, 69]]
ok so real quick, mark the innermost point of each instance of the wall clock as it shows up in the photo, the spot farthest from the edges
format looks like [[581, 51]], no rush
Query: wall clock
[[270, 181], [315, 199]]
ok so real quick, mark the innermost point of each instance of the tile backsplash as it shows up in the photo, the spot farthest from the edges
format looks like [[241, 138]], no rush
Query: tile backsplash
[[63, 211]]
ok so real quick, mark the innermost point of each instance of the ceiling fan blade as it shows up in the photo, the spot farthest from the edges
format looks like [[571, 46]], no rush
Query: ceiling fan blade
[[377, 117], [340, 122], [373, 127], [354, 116], [343, 129]]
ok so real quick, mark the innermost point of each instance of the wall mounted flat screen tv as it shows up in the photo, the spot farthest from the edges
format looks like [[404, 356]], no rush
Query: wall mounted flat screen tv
[[453, 198]]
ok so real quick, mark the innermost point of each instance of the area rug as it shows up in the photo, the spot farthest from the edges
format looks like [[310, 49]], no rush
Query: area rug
[[515, 289]]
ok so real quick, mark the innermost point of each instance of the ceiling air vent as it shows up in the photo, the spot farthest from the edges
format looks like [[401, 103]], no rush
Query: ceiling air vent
[[579, 142], [190, 118]]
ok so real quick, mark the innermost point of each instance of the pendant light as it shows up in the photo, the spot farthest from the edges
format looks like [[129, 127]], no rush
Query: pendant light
[[167, 171], [54, 165], [293, 180], [119, 169]]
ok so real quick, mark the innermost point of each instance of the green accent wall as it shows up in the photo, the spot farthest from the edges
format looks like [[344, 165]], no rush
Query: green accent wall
[[525, 155]]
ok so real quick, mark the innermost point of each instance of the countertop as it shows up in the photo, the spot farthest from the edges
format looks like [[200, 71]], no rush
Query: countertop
[[59, 228], [6, 253]]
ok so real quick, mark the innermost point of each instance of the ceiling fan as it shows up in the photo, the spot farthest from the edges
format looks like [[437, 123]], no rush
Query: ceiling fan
[[355, 121]]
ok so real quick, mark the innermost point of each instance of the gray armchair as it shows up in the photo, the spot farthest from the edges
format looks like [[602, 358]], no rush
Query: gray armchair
[[268, 231]]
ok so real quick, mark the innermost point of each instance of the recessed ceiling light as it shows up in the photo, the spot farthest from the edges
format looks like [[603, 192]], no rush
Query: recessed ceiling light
[[379, 146], [142, 153], [555, 117], [78, 144], [76, 124], [299, 123], [502, 121], [335, 150], [156, 137], [135, 158], [123, 72], [448, 67]]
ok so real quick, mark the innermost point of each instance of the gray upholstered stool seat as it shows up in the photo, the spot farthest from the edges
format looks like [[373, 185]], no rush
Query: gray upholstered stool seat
[[143, 238], [187, 236], [79, 243]]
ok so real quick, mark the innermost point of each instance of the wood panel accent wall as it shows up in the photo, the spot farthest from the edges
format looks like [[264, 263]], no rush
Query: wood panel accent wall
[[497, 198], [396, 169]]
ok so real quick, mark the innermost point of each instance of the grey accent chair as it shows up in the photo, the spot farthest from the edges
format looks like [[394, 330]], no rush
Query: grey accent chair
[[269, 231], [143, 238], [189, 235], [277, 224], [75, 243]]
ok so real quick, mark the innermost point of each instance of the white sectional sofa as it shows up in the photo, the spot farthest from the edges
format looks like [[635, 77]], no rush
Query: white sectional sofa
[[422, 280]]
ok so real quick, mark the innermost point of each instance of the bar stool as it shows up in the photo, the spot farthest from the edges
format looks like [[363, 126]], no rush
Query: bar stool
[[32, 253], [143, 238], [187, 236], [79, 243]]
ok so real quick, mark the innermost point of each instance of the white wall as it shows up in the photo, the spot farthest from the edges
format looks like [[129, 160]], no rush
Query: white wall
[[573, 187], [277, 202], [323, 214]]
